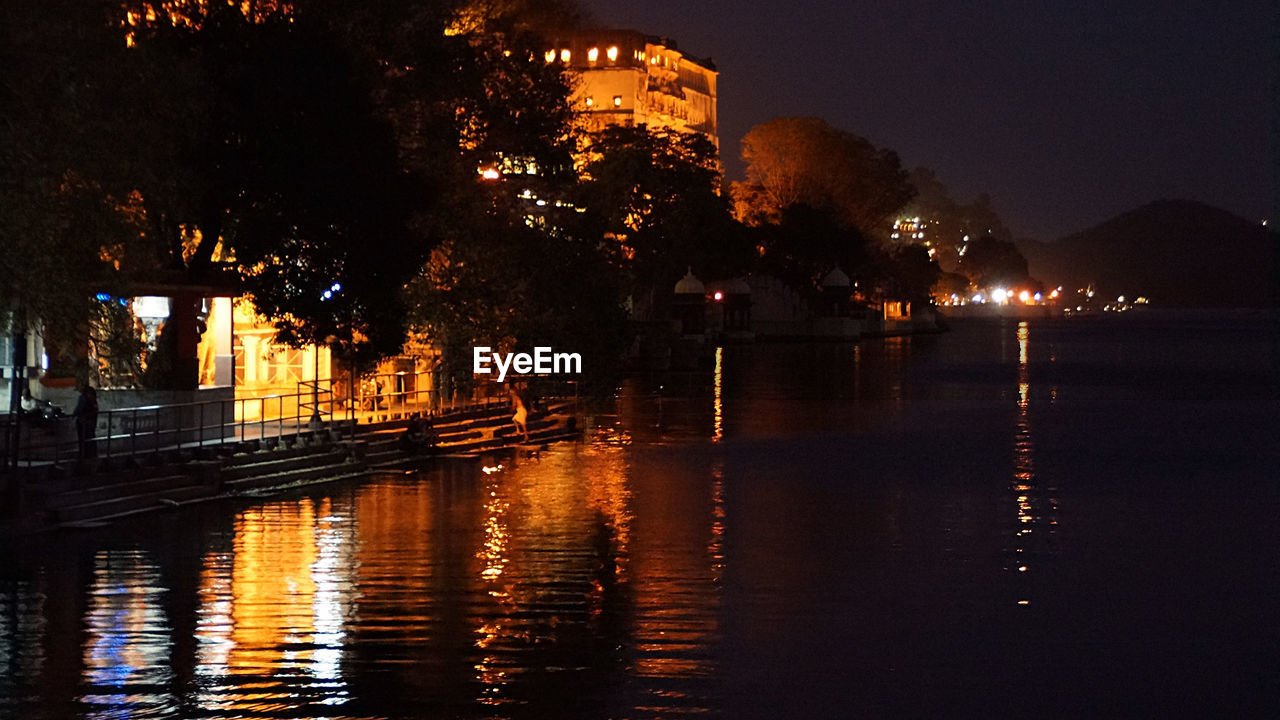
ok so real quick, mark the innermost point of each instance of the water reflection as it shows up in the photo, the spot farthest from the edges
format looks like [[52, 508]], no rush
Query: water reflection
[[271, 622], [717, 430], [1037, 507], [22, 630], [798, 539], [127, 660]]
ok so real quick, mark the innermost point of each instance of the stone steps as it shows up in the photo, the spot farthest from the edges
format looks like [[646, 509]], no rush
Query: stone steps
[[108, 491], [298, 476], [130, 504], [273, 464]]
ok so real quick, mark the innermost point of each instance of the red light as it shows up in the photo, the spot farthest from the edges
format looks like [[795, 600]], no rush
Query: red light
[[718, 296]]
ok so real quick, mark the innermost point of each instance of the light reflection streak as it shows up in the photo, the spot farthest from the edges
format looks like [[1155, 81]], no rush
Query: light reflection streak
[[128, 648], [491, 632], [718, 432], [1031, 512], [274, 607]]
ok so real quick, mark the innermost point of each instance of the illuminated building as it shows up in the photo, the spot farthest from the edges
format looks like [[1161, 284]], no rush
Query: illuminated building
[[628, 78]]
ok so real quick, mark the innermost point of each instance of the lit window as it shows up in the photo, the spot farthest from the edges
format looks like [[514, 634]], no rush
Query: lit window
[[617, 101], [593, 54], [612, 52], [550, 55], [564, 55], [590, 102]]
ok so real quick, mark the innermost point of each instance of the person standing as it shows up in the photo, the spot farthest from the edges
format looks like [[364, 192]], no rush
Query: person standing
[[521, 418], [86, 414]]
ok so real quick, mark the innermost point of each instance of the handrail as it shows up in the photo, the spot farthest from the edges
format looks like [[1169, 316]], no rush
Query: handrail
[[152, 429]]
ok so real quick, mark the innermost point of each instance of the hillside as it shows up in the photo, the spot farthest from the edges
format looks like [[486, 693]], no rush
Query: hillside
[[1175, 252]]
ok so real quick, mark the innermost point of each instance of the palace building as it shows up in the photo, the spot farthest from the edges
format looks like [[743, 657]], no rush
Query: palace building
[[628, 78]]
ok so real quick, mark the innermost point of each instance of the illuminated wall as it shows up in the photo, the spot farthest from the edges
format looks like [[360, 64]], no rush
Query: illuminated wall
[[627, 78]]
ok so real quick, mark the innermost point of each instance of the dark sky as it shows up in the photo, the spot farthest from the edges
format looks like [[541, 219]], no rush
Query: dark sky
[[1067, 113]]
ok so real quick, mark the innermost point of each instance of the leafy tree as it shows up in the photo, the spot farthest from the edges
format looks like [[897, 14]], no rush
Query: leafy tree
[[657, 194], [991, 262], [55, 222], [914, 272], [949, 222], [808, 242], [794, 161]]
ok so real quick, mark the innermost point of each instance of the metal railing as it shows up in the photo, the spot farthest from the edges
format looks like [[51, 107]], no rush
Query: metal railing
[[153, 429]]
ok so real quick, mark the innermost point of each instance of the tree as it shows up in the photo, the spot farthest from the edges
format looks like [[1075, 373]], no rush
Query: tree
[[948, 223], [56, 223], [991, 262], [657, 194], [794, 161], [808, 242]]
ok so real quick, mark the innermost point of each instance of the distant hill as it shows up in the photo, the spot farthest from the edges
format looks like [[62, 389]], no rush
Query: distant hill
[[1175, 252]]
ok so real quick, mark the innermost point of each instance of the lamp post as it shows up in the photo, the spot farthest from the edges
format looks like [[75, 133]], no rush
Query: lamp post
[[315, 387], [327, 295]]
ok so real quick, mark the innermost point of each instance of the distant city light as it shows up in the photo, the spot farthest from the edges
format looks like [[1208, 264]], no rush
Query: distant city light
[[490, 174], [718, 296]]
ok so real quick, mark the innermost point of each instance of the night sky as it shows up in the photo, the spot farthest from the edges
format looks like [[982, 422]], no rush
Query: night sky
[[1066, 113]]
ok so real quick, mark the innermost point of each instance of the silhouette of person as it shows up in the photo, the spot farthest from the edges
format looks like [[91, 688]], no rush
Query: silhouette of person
[[86, 414]]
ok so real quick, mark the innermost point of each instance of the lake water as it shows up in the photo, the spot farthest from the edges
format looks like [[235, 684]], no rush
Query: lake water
[[1046, 519]]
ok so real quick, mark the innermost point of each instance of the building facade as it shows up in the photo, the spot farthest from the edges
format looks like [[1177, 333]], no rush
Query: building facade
[[628, 78]]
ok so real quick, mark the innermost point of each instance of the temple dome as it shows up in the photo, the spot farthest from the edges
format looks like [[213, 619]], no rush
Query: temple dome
[[690, 285], [836, 279]]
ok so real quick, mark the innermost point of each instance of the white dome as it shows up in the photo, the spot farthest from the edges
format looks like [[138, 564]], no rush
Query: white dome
[[836, 279], [690, 285], [737, 286]]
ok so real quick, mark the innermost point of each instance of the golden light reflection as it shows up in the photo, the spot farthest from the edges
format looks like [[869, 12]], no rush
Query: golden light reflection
[[676, 592], [276, 606], [494, 551], [1028, 497], [717, 433]]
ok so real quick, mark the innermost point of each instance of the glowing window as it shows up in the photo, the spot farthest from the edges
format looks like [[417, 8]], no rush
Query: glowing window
[[550, 55], [617, 101], [612, 52], [564, 55], [594, 54]]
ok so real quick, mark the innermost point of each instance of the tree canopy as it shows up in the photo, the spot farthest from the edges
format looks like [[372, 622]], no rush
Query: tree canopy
[[793, 161]]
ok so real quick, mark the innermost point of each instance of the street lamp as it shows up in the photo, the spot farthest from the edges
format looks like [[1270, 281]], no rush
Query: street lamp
[[328, 294]]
